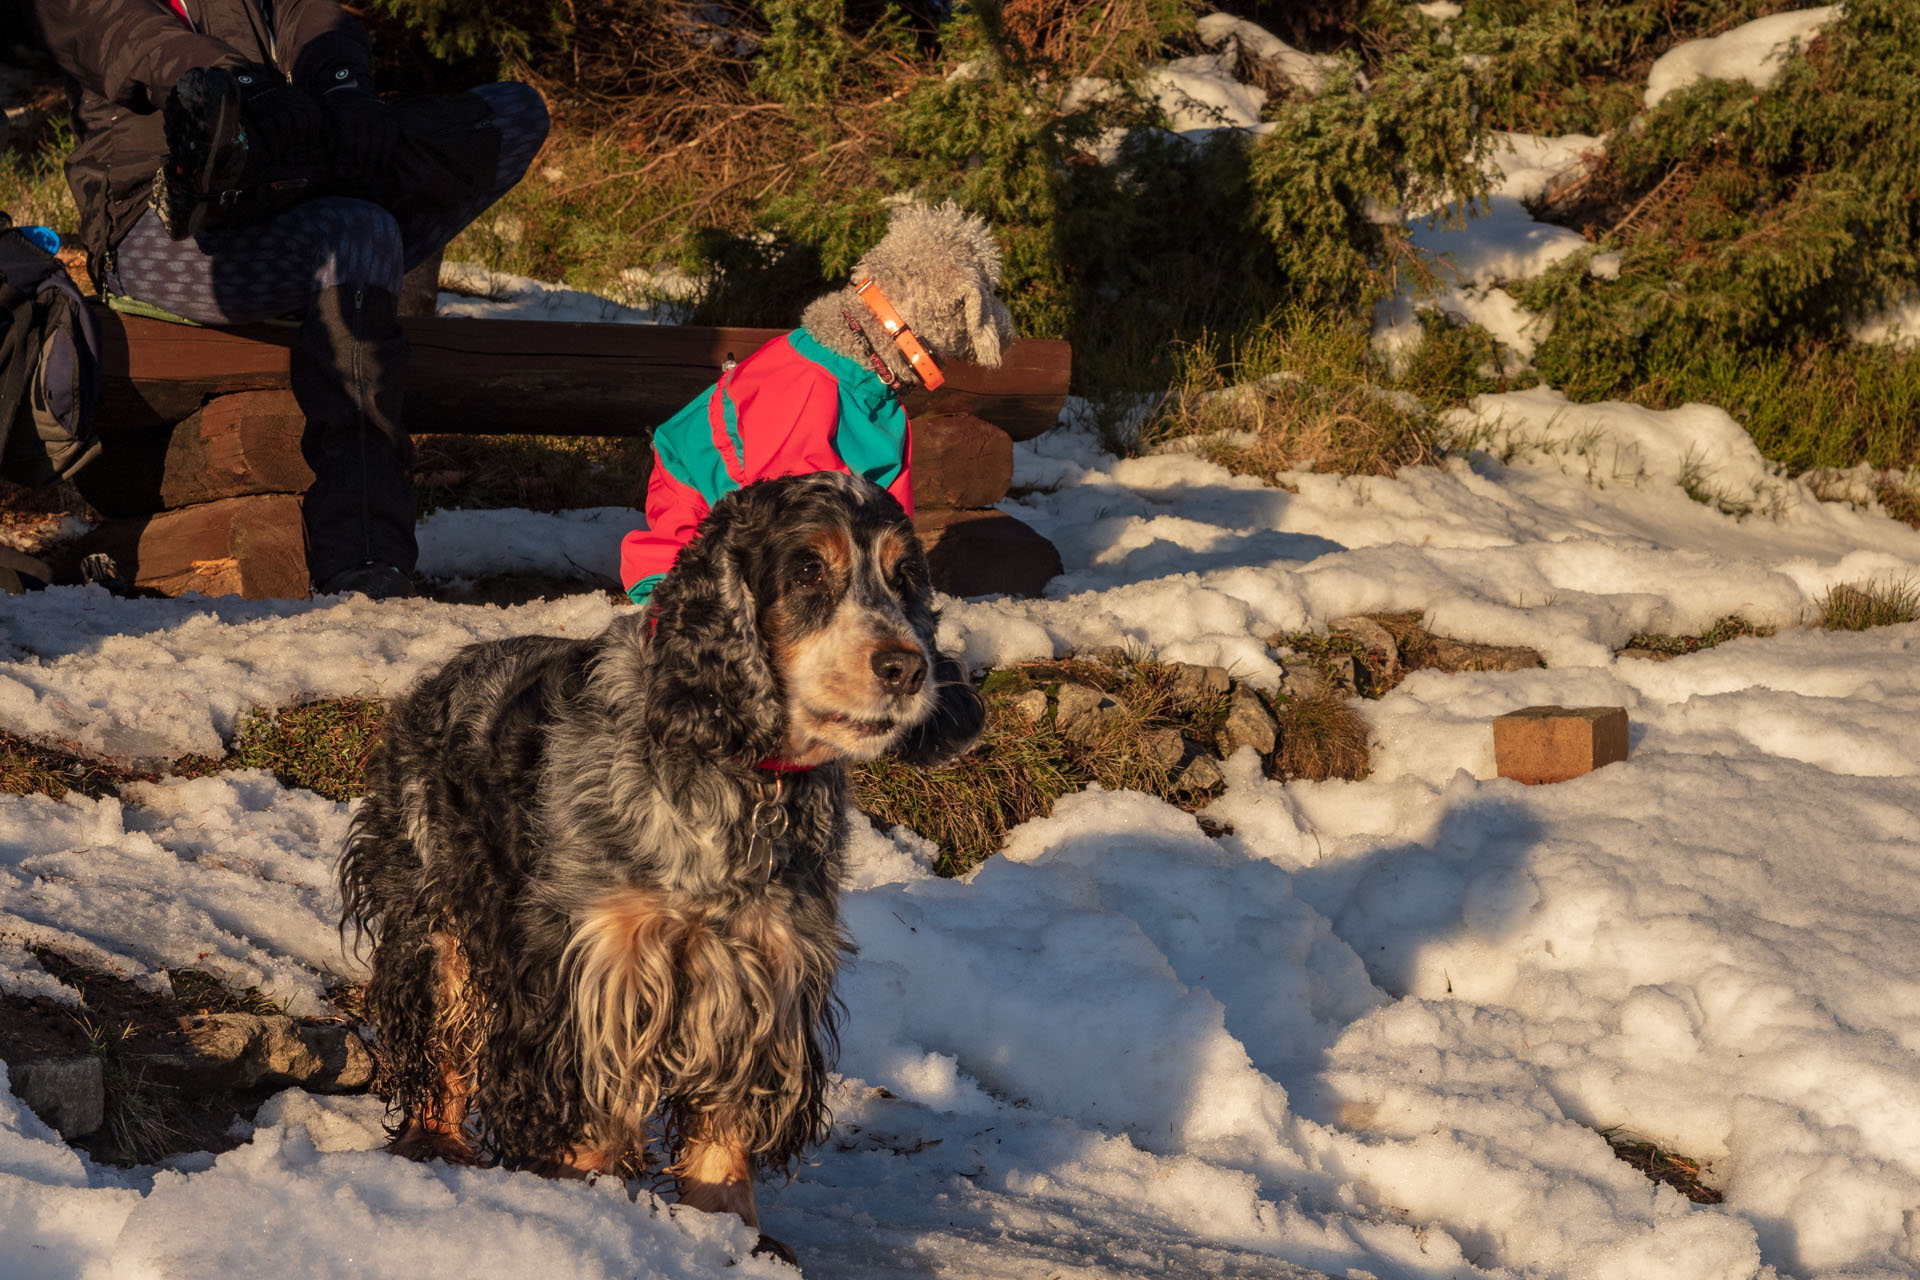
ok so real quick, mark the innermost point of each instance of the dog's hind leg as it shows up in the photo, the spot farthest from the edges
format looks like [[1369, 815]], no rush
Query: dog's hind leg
[[436, 1128]]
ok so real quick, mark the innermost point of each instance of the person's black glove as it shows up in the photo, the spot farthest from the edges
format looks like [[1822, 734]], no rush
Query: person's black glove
[[364, 132], [284, 119]]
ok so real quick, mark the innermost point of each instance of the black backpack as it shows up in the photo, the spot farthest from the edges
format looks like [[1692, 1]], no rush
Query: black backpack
[[49, 365]]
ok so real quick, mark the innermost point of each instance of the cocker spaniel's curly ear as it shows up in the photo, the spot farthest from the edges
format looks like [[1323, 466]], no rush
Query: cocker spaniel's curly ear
[[710, 687]]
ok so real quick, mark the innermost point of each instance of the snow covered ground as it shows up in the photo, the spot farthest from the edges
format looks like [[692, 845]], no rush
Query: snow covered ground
[[1371, 1032]]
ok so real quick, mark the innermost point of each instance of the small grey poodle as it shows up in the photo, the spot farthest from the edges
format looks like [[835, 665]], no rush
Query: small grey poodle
[[940, 267]]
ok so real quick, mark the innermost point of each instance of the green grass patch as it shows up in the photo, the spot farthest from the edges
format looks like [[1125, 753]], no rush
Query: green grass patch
[[1304, 391], [33, 183], [1728, 628], [1857, 606], [322, 746], [1821, 405]]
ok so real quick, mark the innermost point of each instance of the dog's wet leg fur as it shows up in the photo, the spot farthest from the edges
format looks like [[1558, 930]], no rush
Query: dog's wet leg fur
[[714, 1171], [438, 1129]]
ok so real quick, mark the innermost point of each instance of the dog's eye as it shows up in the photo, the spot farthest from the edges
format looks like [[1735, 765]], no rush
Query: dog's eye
[[809, 571]]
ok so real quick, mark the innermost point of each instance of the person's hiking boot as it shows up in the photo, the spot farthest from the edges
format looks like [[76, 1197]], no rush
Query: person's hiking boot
[[348, 366], [217, 164], [206, 149], [374, 581]]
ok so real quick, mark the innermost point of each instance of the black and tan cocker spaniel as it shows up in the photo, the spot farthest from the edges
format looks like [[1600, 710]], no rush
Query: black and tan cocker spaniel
[[601, 876]]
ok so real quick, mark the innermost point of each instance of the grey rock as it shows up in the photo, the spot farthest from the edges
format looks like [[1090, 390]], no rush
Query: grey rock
[[1202, 773], [1376, 638], [1249, 724], [1163, 746], [1444, 654], [241, 1050], [1032, 704], [1193, 682], [1080, 712], [70, 1094], [1346, 672], [1304, 681]]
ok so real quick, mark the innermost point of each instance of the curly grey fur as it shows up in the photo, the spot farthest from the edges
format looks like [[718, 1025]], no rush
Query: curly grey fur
[[575, 817], [941, 269]]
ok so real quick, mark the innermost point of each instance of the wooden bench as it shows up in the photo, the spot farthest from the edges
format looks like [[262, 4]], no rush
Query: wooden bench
[[203, 473]]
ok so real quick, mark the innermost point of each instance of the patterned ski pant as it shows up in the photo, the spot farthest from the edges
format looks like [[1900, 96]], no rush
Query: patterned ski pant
[[279, 265]]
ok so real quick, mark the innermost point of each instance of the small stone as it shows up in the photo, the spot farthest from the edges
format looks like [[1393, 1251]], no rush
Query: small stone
[[1032, 704], [70, 1094], [1553, 744], [1081, 712], [1249, 724], [1305, 681], [1202, 773], [1163, 746], [1443, 654], [1644, 655], [1193, 683], [1376, 639], [240, 1050]]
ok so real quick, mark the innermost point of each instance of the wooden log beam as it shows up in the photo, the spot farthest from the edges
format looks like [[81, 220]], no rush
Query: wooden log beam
[[253, 547], [501, 377], [245, 443]]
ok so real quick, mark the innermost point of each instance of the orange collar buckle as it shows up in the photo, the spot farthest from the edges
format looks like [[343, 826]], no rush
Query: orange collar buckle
[[918, 356]]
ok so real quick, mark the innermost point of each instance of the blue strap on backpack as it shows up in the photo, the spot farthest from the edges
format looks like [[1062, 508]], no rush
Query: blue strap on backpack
[[49, 362]]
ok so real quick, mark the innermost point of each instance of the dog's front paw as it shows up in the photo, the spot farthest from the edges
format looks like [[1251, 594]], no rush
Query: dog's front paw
[[767, 1247]]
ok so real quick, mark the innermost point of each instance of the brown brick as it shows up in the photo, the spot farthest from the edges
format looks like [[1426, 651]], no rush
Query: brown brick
[[1553, 744]]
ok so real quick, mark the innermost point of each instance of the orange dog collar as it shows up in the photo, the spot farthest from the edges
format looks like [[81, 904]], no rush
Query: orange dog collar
[[918, 356]]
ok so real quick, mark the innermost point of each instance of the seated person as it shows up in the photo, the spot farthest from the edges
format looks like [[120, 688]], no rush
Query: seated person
[[290, 187]]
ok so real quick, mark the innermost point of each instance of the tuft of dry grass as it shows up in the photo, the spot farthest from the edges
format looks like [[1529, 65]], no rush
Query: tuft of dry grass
[[1857, 606], [1294, 395], [1321, 738], [29, 768], [1682, 1173], [1022, 766]]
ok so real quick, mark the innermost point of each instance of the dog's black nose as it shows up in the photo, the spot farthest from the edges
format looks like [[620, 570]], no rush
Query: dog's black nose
[[900, 670]]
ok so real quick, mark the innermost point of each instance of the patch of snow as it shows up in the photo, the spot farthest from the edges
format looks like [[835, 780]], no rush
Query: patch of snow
[[1306, 70], [475, 292], [1502, 243], [1898, 326], [1754, 52]]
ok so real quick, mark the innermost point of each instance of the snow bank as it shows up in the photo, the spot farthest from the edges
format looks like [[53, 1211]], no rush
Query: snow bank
[[1754, 52], [1584, 538]]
